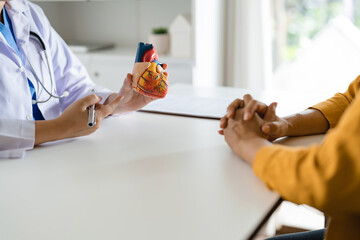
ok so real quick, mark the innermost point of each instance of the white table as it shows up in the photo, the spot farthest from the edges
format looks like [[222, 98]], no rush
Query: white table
[[140, 176], [289, 102]]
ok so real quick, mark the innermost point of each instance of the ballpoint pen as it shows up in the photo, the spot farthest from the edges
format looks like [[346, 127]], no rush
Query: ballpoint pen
[[91, 118]]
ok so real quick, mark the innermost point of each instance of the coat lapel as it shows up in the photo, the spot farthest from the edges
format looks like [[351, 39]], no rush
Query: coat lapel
[[21, 25]]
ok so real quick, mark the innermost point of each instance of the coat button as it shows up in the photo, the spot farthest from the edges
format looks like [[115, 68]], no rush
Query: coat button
[[29, 117], [21, 69]]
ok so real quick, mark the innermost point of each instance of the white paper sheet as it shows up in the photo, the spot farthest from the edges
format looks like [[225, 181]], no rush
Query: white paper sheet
[[213, 108]]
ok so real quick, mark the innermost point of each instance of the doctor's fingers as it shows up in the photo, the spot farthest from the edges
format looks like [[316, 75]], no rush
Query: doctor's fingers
[[231, 109], [127, 84], [102, 111], [88, 101]]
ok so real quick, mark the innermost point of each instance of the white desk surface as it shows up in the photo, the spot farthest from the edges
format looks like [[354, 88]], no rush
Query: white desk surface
[[288, 101], [140, 176]]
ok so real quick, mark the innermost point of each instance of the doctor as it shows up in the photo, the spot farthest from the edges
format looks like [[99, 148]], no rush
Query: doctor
[[45, 91]]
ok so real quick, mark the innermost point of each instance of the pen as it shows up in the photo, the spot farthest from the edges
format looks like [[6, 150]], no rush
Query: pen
[[91, 118]]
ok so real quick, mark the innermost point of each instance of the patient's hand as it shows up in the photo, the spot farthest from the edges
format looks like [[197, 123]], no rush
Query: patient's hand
[[273, 126], [245, 138]]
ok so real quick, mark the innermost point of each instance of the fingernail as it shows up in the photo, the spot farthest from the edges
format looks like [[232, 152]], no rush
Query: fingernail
[[246, 116], [159, 69], [266, 128]]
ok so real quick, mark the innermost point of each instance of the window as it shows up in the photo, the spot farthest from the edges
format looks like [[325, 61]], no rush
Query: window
[[297, 22], [357, 12], [315, 44]]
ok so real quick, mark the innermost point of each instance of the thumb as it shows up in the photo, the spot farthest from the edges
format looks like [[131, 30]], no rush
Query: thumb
[[89, 100], [271, 128], [116, 100], [127, 83], [164, 66], [110, 108], [270, 114]]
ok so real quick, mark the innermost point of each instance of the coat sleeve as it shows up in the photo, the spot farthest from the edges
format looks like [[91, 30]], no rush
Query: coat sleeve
[[16, 136], [326, 176], [69, 73]]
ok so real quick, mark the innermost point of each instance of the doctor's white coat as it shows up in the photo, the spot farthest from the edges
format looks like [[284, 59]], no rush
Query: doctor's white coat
[[17, 128]]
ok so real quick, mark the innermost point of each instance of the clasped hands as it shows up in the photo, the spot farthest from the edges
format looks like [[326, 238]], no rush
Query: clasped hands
[[250, 125]]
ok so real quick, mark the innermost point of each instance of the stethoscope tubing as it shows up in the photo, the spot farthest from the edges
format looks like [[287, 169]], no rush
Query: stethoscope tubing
[[39, 39], [50, 93]]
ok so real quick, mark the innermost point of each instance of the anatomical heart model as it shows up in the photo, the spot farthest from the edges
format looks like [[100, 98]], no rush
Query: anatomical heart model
[[148, 75]]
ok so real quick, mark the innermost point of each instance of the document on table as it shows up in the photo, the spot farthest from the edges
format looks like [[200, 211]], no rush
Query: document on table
[[201, 107]]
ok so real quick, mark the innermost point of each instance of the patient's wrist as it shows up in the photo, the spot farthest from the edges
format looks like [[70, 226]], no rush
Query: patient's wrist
[[249, 147]]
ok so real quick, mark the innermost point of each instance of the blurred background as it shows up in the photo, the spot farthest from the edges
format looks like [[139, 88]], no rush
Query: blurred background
[[285, 44], [290, 45]]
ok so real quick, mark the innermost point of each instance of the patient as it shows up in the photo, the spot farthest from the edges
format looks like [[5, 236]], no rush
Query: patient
[[325, 176]]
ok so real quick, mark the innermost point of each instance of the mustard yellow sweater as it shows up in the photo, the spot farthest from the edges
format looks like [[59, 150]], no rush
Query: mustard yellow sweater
[[325, 176]]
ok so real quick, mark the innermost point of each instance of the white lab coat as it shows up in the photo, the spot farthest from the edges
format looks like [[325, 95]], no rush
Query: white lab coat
[[17, 129]]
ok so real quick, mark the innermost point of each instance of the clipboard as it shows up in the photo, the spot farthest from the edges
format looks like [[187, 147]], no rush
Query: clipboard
[[190, 106]]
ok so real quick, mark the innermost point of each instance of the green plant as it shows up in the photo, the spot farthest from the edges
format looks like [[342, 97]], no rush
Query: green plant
[[160, 30]]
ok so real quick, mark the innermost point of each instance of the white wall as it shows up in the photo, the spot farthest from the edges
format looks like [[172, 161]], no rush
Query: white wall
[[233, 43], [209, 42], [249, 55], [124, 22]]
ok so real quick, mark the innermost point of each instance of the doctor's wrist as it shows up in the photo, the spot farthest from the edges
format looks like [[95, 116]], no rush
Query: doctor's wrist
[[49, 130]]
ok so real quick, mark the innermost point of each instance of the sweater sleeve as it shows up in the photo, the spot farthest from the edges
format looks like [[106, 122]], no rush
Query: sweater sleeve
[[326, 176], [334, 107]]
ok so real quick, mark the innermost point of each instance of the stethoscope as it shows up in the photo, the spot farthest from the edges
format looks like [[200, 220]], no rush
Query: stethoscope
[[65, 93]]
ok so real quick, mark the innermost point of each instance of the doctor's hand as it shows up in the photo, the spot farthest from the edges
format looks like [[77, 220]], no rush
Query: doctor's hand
[[274, 126], [133, 100], [73, 121], [245, 138]]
